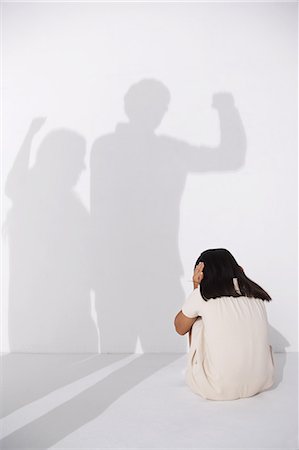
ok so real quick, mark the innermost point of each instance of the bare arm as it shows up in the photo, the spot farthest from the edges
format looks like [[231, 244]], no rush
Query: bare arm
[[183, 323]]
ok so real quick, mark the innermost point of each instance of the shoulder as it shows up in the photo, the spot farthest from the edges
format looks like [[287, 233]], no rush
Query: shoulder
[[102, 142], [195, 297], [193, 305], [195, 294]]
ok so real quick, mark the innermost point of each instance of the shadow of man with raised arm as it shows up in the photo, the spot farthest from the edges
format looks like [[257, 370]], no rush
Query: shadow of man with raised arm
[[137, 180]]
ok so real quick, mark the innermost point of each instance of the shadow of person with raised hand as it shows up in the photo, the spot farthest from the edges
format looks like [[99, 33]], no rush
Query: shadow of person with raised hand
[[137, 180], [48, 231]]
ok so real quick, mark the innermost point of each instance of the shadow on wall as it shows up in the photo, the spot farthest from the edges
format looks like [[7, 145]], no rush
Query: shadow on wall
[[128, 252], [49, 248], [137, 180]]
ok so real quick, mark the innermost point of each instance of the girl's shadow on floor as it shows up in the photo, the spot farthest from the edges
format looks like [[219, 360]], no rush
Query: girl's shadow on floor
[[279, 344]]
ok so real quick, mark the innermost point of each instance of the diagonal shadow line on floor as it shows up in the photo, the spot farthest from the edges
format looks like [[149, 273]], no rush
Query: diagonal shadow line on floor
[[37, 408], [73, 414], [25, 376]]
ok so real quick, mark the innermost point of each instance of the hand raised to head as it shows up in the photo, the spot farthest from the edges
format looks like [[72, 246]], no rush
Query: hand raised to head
[[198, 273]]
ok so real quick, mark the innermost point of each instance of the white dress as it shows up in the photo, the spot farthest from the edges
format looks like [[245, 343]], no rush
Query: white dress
[[230, 356]]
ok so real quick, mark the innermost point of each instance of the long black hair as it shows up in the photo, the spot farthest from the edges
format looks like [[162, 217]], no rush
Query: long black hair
[[222, 276]]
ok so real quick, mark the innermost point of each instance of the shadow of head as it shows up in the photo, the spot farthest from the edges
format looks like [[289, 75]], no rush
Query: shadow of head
[[146, 102]]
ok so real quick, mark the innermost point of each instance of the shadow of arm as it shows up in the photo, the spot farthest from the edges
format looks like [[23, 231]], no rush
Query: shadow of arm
[[19, 171], [231, 151]]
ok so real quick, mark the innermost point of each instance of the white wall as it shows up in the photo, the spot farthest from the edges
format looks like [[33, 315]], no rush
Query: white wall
[[73, 64]]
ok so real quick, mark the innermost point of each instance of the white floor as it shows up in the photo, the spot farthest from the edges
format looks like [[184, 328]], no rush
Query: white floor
[[126, 401]]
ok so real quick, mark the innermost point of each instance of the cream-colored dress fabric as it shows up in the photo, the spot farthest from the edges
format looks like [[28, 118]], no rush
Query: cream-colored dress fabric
[[230, 356]]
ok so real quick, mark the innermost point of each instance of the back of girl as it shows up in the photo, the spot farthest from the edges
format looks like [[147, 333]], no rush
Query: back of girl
[[229, 356]]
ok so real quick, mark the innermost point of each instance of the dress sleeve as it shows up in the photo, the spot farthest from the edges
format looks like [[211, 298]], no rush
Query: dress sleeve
[[192, 306]]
